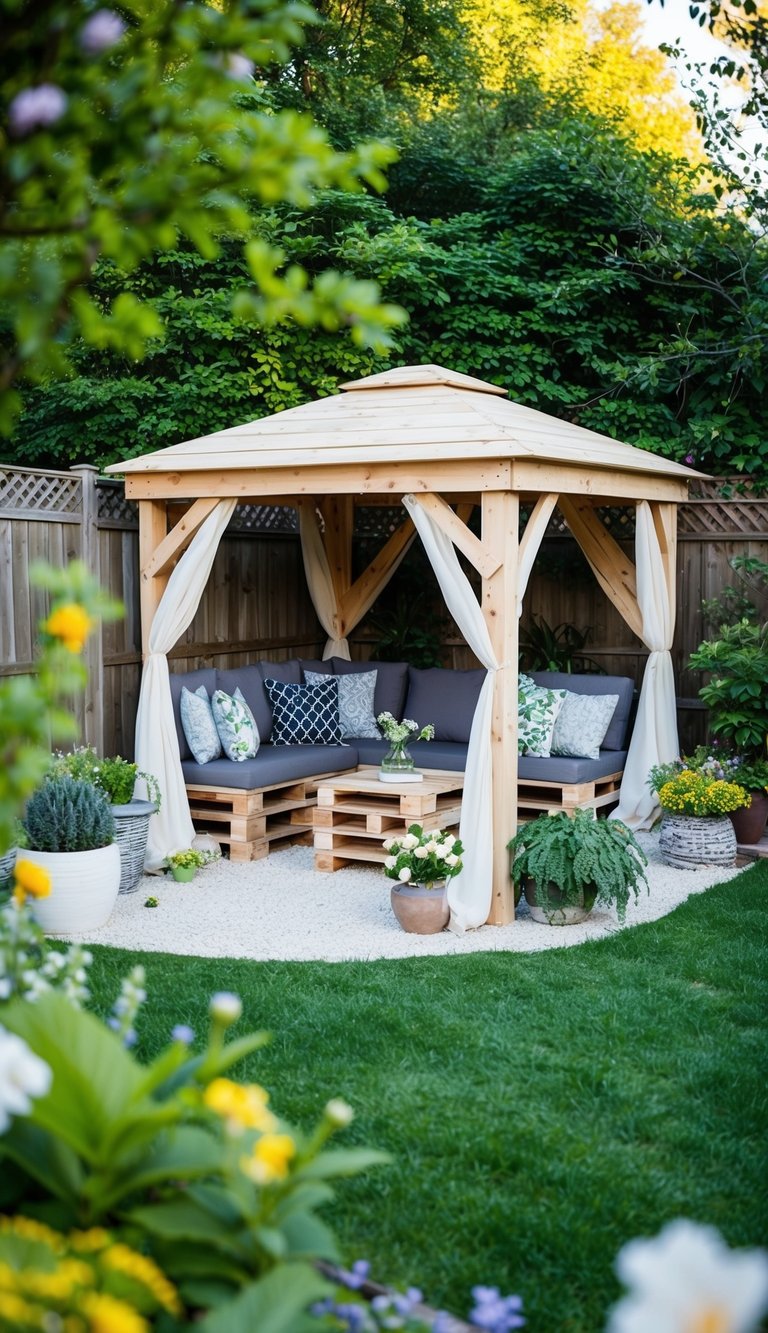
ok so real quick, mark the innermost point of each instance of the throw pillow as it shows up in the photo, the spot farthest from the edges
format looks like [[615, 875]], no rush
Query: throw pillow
[[355, 703], [305, 714], [198, 725], [537, 710], [581, 724], [235, 724]]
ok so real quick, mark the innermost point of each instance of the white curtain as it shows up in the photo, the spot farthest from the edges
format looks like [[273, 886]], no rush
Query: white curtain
[[469, 894], [654, 738], [157, 745], [320, 583]]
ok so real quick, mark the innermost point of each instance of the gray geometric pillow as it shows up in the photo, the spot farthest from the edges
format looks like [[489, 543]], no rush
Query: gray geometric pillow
[[537, 709], [356, 716], [198, 725], [582, 723], [235, 724]]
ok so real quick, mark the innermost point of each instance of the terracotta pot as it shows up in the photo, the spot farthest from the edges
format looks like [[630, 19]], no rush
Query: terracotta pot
[[84, 889], [749, 822], [555, 912], [420, 910], [688, 841]]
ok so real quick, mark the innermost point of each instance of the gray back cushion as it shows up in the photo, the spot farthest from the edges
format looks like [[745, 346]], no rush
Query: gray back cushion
[[391, 681], [314, 664], [446, 698], [624, 686], [249, 679], [192, 679]]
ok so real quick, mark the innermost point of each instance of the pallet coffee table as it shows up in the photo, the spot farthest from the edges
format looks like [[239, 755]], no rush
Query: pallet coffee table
[[355, 812]]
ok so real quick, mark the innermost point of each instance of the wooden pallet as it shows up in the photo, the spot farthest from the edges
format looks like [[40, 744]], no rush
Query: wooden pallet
[[250, 822], [356, 812], [535, 798]]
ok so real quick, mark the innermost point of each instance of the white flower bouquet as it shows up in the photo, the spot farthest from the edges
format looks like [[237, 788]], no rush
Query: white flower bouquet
[[422, 858], [399, 733]]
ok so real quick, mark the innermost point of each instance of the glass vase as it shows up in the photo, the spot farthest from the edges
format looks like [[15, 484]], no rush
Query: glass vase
[[398, 759]]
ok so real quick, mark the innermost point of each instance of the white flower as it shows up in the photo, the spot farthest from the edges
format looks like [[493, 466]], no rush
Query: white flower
[[686, 1279], [390, 862], [448, 839], [421, 853], [239, 67], [387, 844], [23, 1075], [404, 875], [339, 1112], [409, 842], [440, 852], [102, 30], [451, 859], [225, 1007], [431, 847]]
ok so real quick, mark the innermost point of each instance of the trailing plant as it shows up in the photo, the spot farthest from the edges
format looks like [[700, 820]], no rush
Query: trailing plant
[[578, 852], [736, 693], [65, 815]]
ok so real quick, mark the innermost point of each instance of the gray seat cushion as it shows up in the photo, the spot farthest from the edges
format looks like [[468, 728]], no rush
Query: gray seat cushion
[[450, 755], [391, 681], [616, 736], [192, 679], [557, 769], [272, 764], [446, 698]]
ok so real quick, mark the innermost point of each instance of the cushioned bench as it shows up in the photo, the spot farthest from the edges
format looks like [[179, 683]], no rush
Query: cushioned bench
[[268, 798]]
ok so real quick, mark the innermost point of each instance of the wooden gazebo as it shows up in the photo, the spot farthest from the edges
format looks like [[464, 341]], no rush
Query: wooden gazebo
[[452, 442]]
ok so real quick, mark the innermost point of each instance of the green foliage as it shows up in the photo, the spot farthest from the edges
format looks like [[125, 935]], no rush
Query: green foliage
[[164, 1155], [747, 600], [116, 776], [189, 859], [736, 692], [65, 815], [120, 147], [29, 966], [543, 648], [577, 852], [427, 857]]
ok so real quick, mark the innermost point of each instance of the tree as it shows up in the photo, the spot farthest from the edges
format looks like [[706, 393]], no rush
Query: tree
[[126, 131]]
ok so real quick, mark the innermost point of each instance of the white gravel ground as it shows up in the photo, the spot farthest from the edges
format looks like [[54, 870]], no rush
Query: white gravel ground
[[280, 908]]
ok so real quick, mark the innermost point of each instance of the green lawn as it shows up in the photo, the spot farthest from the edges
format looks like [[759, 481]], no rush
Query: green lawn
[[540, 1109]]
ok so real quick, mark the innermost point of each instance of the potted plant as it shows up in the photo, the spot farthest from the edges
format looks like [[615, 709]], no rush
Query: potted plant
[[736, 693], [696, 802], [70, 833], [567, 863], [749, 821], [117, 777], [185, 864], [421, 863], [397, 764], [8, 859]]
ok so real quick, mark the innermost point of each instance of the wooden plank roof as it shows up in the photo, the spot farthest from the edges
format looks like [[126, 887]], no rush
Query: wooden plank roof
[[413, 414]]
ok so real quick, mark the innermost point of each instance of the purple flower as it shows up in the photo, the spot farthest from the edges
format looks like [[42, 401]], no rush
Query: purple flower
[[358, 1274], [102, 30], [130, 1038], [35, 107], [184, 1033], [496, 1313], [690, 459]]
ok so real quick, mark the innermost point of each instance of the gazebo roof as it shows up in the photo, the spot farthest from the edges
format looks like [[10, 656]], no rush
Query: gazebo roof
[[412, 414]]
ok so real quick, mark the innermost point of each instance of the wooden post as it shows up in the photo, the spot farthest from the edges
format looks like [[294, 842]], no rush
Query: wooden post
[[93, 717], [501, 514], [153, 529]]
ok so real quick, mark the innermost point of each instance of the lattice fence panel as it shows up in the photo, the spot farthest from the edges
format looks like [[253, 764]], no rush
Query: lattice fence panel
[[264, 518], [113, 507], [43, 493], [737, 513]]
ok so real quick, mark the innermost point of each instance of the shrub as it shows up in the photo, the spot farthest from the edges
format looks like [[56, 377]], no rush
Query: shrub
[[65, 815]]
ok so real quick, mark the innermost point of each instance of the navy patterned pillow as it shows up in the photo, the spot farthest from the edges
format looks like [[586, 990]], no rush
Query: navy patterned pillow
[[304, 714]]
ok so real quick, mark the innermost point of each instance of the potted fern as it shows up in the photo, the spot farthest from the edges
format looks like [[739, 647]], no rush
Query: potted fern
[[70, 834], [567, 863]]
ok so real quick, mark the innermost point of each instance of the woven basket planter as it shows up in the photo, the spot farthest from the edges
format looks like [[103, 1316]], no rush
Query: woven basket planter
[[688, 841], [7, 862], [131, 829]]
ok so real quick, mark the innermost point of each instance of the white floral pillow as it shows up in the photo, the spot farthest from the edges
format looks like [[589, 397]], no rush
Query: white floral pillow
[[537, 710], [356, 692], [198, 725], [235, 724], [582, 723]]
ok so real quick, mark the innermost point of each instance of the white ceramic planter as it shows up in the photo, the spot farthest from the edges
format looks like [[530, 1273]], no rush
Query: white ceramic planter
[[84, 889]]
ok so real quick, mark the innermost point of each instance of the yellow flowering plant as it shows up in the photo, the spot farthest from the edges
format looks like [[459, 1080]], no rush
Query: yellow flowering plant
[[691, 793]]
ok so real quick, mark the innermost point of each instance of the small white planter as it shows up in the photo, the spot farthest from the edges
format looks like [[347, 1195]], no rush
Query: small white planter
[[84, 889]]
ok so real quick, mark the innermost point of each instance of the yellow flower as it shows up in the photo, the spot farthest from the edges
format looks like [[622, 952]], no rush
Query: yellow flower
[[143, 1270], [15, 1311], [96, 1238], [269, 1158], [71, 624], [106, 1314], [28, 1229], [241, 1107], [30, 879]]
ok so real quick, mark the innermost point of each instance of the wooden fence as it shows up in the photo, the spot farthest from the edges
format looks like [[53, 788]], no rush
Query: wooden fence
[[256, 605]]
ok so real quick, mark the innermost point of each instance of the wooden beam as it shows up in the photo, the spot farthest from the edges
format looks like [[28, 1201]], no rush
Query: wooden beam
[[386, 479], [613, 570], [536, 478], [665, 523], [338, 516], [153, 529], [178, 539], [501, 516], [531, 541], [480, 553], [364, 591]]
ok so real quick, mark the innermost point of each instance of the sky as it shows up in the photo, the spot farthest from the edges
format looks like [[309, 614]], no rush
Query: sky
[[673, 21]]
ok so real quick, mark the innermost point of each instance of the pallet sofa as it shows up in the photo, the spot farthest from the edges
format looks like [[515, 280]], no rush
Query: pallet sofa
[[248, 806]]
